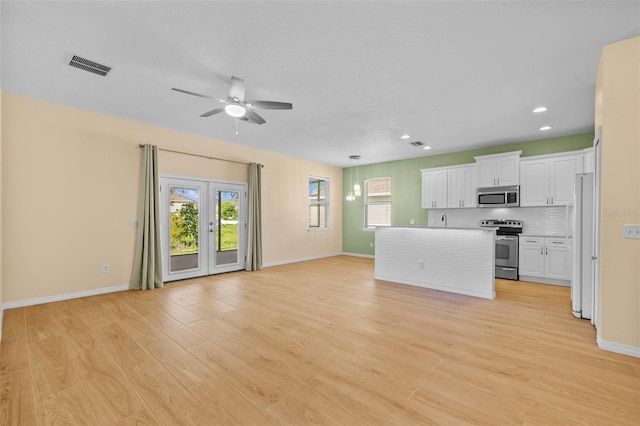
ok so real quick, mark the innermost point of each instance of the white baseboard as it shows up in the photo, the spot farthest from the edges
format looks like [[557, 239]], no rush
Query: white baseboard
[[66, 296], [618, 348], [542, 280], [367, 256], [300, 259]]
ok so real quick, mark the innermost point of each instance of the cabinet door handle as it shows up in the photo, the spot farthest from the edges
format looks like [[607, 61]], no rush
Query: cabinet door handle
[[551, 200], [498, 181], [462, 203], [547, 200], [546, 251], [542, 250]]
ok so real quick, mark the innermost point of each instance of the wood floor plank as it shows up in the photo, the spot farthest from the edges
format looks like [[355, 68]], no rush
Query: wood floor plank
[[169, 402], [52, 368], [111, 396], [228, 406], [123, 349], [177, 360], [16, 399], [316, 342], [14, 352], [141, 418], [40, 323], [68, 407], [292, 410]]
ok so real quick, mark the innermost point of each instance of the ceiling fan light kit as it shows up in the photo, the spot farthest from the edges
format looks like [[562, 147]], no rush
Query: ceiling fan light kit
[[235, 106], [235, 110]]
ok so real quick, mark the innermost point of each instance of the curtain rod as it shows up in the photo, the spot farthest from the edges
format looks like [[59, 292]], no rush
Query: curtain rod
[[200, 155]]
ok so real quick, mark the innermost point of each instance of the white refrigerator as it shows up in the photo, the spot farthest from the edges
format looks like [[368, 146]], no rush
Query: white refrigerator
[[582, 218]]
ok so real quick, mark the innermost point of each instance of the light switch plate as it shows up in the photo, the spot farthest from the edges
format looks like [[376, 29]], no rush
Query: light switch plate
[[631, 232]]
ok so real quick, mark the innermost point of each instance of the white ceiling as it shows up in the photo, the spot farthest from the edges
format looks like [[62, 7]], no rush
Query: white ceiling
[[454, 75]]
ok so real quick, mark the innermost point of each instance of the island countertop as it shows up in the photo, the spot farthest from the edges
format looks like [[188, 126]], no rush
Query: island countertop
[[458, 260]]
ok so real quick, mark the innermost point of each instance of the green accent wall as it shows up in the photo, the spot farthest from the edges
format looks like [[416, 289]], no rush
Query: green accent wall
[[406, 184]]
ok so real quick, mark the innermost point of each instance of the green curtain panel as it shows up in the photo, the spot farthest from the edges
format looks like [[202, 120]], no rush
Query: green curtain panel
[[254, 225], [147, 261]]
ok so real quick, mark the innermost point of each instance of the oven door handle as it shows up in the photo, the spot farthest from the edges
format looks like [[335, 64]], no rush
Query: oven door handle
[[506, 237]]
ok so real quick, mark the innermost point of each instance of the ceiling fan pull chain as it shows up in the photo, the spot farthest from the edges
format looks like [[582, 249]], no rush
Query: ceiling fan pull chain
[[236, 120]]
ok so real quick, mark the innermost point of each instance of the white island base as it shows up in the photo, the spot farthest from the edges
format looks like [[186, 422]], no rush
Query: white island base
[[448, 259]]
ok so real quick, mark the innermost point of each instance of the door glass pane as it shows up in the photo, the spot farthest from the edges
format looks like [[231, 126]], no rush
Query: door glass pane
[[183, 232], [227, 213]]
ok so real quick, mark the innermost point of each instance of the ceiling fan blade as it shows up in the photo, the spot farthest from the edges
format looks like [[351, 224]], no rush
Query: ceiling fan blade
[[237, 89], [191, 93], [212, 112], [253, 117], [270, 105]]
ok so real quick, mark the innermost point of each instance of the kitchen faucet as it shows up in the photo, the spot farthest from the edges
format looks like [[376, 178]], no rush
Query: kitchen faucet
[[443, 218]]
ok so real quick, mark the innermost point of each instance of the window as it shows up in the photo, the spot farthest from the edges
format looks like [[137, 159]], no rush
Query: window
[[377, 202], [318, 203]]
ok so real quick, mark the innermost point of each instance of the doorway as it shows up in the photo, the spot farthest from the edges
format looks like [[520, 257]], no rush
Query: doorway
[[203, 227]]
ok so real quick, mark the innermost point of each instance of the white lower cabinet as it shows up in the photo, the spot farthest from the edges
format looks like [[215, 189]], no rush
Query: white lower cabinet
[[544, 259]]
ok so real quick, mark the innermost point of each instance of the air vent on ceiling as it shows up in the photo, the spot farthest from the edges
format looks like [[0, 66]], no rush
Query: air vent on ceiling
[[87, 65], [416, 143]]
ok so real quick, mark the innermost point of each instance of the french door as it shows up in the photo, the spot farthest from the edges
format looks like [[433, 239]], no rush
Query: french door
[[203, 227]]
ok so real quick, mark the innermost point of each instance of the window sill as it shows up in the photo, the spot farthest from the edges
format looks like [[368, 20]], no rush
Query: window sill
[[318, 229]]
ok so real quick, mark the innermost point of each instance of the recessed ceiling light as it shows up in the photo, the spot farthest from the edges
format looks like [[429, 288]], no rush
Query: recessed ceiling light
[[540, 109], [427, 147], [405, 136], [543, 128]]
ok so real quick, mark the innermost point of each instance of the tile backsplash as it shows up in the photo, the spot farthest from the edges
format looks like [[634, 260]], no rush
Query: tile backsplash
[[535, 220]]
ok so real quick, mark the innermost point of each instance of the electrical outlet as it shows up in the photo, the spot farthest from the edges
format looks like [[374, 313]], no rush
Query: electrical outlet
[[412, 221], [421, 265], [370, 244], [631, 232], [134, 223], [105, 268]]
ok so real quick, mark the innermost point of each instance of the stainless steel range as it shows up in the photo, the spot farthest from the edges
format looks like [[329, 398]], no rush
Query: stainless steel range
[[506, 246]]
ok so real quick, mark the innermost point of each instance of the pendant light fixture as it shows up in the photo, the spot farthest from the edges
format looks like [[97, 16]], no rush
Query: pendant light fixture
[[356, 185], [350, 195]]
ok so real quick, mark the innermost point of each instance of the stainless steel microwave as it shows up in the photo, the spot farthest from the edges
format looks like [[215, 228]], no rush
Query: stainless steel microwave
[[498, 196]]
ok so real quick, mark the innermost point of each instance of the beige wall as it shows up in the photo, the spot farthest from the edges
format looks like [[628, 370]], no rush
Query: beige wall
[[70, 184], [618, 113]]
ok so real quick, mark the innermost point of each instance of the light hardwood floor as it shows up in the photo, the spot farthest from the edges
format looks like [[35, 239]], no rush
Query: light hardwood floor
[[312, 342]]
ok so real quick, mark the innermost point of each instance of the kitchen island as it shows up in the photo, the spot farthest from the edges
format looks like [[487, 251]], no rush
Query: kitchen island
[[458, 260]]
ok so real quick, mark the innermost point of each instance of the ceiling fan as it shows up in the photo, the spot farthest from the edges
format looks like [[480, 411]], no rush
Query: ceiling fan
[[236, 106]]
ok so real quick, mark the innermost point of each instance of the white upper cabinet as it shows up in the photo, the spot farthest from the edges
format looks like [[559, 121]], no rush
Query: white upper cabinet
[[534, 179], [434, 188], [461, 186], [498, 169], [547, 180]]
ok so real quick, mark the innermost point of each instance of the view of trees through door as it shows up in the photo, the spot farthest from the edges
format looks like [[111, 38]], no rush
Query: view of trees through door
[[226, 239], [203, 227]]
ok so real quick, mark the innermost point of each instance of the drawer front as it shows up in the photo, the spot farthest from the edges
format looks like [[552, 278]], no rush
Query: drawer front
[[532, 241], [556, 242]]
